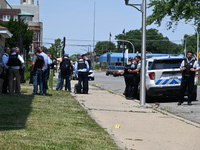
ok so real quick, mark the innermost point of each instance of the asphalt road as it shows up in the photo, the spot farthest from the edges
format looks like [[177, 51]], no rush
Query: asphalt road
[[117, 85]]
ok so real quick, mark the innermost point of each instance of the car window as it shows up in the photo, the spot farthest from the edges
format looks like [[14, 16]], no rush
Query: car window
[[119, 67], [166, 64]]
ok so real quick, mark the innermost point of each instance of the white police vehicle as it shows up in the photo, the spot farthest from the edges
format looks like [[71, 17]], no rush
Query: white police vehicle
[[90, 75], [163, 77]]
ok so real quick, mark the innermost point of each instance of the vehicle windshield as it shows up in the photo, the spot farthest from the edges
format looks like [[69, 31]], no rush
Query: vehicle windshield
[[165, 64], [119, 67]]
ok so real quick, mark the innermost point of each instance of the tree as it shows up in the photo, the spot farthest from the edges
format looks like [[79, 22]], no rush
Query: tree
[[19, 28], [56, 48], [189, 10], [155, 43], [103, 47], [190, 42]]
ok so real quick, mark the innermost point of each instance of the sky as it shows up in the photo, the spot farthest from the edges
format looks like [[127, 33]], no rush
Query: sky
[[85, 22]]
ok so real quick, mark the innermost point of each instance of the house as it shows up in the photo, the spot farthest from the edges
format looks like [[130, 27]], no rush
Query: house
[[29, 12]]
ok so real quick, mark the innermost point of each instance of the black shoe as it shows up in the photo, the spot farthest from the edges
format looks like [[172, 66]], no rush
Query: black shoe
[[179, 103], [46, 94], [189, 103]]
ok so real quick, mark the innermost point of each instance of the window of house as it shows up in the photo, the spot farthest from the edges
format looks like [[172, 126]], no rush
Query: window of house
[[15, 17], [6, 17], [26, 18], [37, 36]]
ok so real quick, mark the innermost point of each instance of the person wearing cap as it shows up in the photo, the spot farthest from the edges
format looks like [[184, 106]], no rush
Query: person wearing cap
[[64, 75], [82, 68]]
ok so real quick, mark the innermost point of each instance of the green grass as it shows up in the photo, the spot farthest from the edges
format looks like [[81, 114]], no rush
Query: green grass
[[55, 122]]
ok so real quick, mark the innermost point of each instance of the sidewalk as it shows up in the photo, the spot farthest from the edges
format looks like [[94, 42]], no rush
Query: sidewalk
[[138, 128]]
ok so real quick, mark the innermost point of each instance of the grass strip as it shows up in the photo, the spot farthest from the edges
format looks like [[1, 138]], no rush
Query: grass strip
[[56, 122]]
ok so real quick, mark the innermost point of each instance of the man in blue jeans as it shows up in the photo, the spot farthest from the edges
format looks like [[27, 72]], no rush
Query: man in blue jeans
[[37, 65], [82, 68], [66, 68]]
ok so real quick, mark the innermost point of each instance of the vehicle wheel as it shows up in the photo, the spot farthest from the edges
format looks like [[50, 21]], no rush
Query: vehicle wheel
[[194, 96], [92, 78], [107, 73]]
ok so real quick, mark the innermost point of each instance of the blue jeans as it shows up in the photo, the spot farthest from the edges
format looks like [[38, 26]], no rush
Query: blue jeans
[[60, 83], [37, 80]]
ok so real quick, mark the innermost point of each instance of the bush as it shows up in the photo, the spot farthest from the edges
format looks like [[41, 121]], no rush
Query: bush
[[97, 66]]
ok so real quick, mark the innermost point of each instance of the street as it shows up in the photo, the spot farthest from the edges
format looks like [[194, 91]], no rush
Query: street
[[117, 85]]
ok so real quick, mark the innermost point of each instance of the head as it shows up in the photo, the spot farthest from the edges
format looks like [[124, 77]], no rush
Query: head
[[17, 50], [130, 59], [13, 49], [83, 56], [66, 55], [7, 50], [41, 49], [137, 58], [189, 55], [37, 51]]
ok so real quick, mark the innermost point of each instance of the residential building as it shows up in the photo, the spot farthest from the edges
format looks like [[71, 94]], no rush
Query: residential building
[[29, 12]]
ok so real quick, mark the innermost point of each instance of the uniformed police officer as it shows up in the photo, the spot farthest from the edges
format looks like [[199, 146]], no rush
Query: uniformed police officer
[[188, 67], [128, 78], [82, 68]]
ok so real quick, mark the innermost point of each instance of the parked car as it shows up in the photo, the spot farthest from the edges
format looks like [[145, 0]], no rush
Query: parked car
[[110, 69], [90, 75], [118, 71], [163, 78]]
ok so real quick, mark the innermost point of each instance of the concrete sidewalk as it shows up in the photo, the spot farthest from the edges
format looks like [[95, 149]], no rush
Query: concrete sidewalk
[[139, 128]]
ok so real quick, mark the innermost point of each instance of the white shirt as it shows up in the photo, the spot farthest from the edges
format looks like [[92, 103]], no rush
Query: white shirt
[[195, 65]]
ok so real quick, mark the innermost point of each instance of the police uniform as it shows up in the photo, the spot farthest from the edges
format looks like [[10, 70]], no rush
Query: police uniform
[[188, 77], [129, 80], [82, 68]]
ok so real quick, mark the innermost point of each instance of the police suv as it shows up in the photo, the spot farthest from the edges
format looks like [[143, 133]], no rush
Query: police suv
[[163, 77]]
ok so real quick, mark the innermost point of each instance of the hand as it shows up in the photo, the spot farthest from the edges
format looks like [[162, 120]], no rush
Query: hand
[[192, 69], [182, 68]]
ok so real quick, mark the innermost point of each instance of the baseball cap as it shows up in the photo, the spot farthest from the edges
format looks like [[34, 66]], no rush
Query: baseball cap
[[67, 55]]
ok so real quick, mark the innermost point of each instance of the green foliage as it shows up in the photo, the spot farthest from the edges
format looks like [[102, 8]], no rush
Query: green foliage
[[16, 28], [97, 66], [190, 41], [56, 48], [153, 42], [74, 57], [104, 47], [188, 10]]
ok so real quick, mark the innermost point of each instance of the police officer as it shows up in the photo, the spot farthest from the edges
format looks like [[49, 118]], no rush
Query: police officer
[[5, 57], [136, 79], [188, 67], [82, 67], [129, 78], [15, 62]]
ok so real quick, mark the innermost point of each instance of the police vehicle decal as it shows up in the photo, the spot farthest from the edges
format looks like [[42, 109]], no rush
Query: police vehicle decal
[[168, 81]]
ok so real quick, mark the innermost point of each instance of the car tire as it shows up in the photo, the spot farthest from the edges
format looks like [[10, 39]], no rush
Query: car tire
[[107, 73], [92, 78], [148, 98]]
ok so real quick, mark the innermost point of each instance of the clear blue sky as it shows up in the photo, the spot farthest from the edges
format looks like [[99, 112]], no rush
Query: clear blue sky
[[74, 19]]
